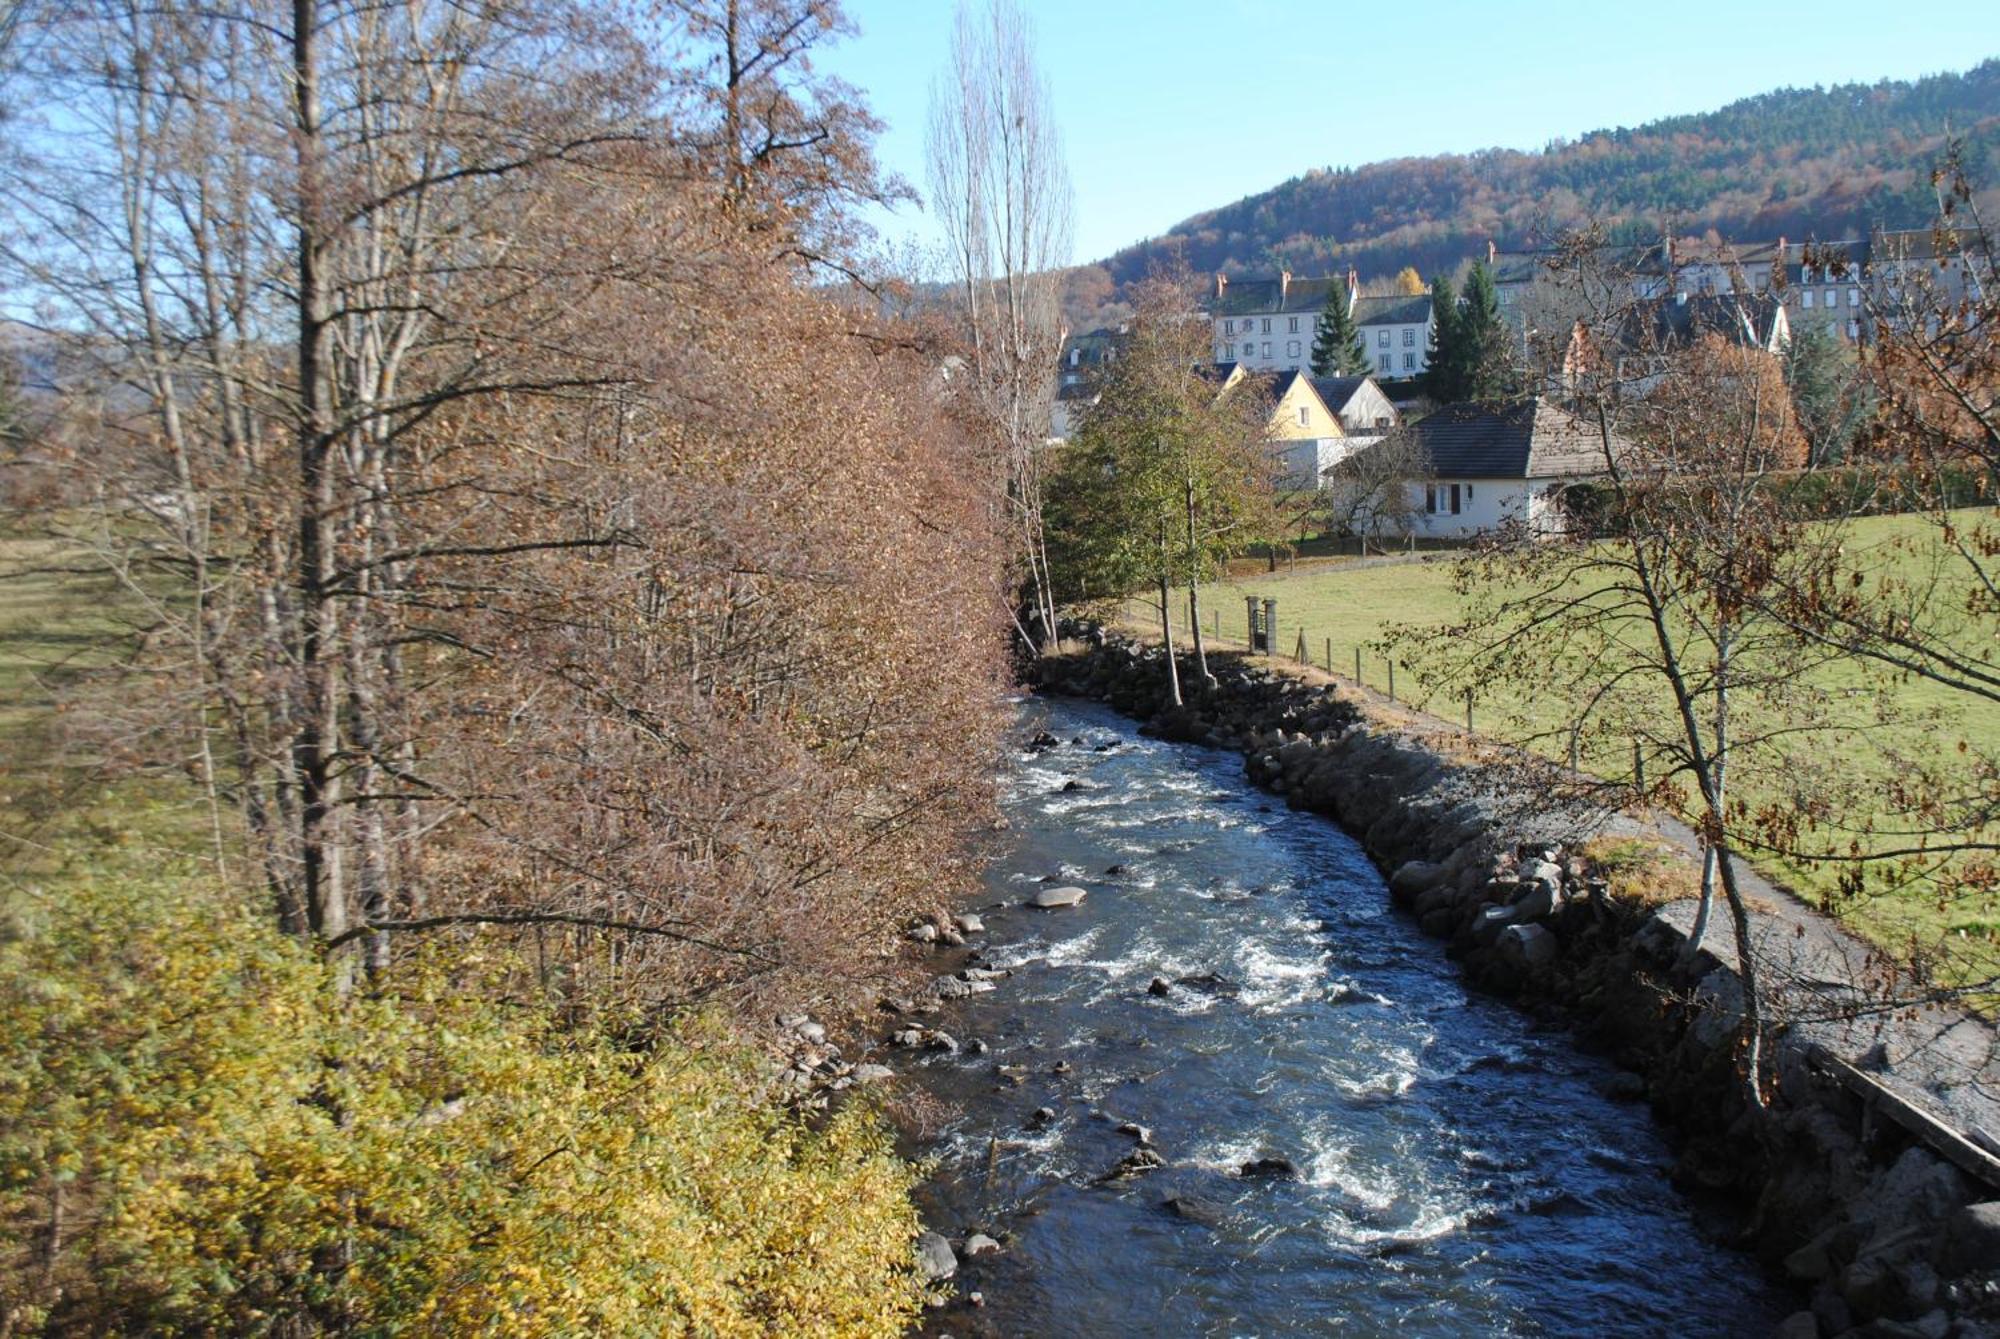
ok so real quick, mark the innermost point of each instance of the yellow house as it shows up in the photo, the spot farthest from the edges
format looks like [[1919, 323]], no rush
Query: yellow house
[[1308, 436]]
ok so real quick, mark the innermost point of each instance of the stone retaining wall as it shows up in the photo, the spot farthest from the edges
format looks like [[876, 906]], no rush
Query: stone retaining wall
[[1881, 1236]]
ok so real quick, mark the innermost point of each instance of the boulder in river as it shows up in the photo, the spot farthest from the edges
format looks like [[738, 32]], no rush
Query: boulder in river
[[1067, 895], [925, 933], [981, 1244], [1283, 1169], [1195, 1209], [969, 924], [873, 1073], [935, 1259], [1160, 986], [1136, 1163]]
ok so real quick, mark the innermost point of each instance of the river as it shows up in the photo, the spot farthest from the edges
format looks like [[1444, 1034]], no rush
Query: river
[[1458, 1171]]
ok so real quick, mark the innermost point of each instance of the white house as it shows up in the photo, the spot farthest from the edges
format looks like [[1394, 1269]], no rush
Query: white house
[[1397, 333], [1484, 466]]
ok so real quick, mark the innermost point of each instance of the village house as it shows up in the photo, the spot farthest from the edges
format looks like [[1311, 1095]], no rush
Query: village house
[[1636, 355], [1823, 285], [1305, 435], [1267, 325], [1485, 466]]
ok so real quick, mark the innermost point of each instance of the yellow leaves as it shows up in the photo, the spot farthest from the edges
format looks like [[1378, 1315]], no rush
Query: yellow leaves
[[481, 1170]]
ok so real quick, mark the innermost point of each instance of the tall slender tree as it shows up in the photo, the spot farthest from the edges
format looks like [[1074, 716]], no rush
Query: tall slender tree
[[1001, 189]]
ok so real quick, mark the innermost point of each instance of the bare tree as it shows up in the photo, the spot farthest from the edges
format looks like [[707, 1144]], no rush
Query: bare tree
[[1367, 496], [1001, 191]]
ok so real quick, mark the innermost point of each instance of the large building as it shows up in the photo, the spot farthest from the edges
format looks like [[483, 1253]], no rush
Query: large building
[[1267, 325], [1823, 285]]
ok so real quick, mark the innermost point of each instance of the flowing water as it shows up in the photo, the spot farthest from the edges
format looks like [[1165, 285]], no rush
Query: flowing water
[[1458, 1173]]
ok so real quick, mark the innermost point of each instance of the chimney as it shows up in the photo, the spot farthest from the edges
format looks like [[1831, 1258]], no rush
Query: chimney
[[1284, 286], [1492, 252], [1353, 288]]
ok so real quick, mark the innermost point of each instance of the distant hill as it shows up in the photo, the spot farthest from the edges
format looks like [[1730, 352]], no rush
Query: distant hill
[[1826, 162]]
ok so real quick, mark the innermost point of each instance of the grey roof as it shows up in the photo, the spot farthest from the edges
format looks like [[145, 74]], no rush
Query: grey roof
[[1271, 297], [1337, 391], [1531, 439], [1403, 309]]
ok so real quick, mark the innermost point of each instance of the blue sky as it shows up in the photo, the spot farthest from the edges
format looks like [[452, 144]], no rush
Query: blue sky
[[1169, 107]]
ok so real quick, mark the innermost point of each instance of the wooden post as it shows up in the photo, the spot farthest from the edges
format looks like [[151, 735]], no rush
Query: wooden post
[[1329, 655], [1468, 711], [1270, 627], [1250, 603], [1301, 655], [1638, 767], [1572, 748], [1357, 664], [1392, 678]]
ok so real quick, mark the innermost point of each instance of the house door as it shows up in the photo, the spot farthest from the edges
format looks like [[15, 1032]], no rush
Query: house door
[[1454, 499]]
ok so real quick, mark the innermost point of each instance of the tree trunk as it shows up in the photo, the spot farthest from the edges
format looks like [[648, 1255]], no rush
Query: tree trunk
[[1167, 621]]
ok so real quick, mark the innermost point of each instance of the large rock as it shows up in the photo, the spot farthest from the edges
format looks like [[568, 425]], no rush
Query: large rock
[[873, 1073], [935, 1260], [981, 1244], [1798, 1325], [1529, 947], [1195, 1209], [1066, 896], [1415, 877], [1972, 1239]]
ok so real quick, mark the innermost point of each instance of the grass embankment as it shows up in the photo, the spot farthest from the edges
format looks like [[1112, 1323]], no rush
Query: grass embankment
[[1354, 605], [202, 1132]]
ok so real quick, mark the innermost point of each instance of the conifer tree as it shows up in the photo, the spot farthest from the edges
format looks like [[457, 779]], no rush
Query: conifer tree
[[1337, 346], [1444, 374], [1482, 333]]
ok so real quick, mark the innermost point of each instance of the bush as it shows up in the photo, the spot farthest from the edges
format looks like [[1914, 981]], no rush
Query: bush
[[198, 1133]]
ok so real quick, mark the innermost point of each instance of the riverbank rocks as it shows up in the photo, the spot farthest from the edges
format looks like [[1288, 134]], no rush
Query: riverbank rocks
[[980, 1244], [1136, 1163], [1275, 1168], [1049, 899], [936, 1261]]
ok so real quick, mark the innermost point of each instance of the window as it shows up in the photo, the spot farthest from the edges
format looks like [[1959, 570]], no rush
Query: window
[[1267, 344], [1229, 327], [1468, 492], [1228, 353], [1075, 355], [1409, 362], [1381, 420], [1384, 361], [1409, 337], [1381, 339], [1431, 499], [1854, 330], [1805, 299], [1267, 325], [1305, 416], [1292, 349], [1854, 297], [1292, 326], [1454, 499], [1832, 298]]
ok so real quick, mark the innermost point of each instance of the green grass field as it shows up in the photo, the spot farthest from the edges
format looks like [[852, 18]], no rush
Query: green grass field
[[62, 812], [1350, 606]]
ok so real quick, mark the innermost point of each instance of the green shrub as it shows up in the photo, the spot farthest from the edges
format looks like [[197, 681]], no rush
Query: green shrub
[[198, 1134]]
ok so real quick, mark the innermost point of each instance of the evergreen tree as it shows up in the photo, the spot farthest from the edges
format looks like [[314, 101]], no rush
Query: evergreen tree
[[1444, 374], [1337, 346], [1485, 364]]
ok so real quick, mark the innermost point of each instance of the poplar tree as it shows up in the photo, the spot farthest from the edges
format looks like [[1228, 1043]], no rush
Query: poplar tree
[[1337, 346]]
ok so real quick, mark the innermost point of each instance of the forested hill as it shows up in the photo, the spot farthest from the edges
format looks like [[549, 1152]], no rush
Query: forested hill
[[1826, 162]]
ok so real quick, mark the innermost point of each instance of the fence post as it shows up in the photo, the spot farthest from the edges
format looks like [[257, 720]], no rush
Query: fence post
[[1357, 665], [1250, 602], [1392, 678], [1468, 711], [1301, 655], [1572, 749], [1329, 655], [1638, 767], [1270, 627]]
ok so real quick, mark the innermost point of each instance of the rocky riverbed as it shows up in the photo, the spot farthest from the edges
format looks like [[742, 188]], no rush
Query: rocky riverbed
[[1202, 1077]]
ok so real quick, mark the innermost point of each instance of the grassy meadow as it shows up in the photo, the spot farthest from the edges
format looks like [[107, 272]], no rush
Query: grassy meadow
[[1356, 604]]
